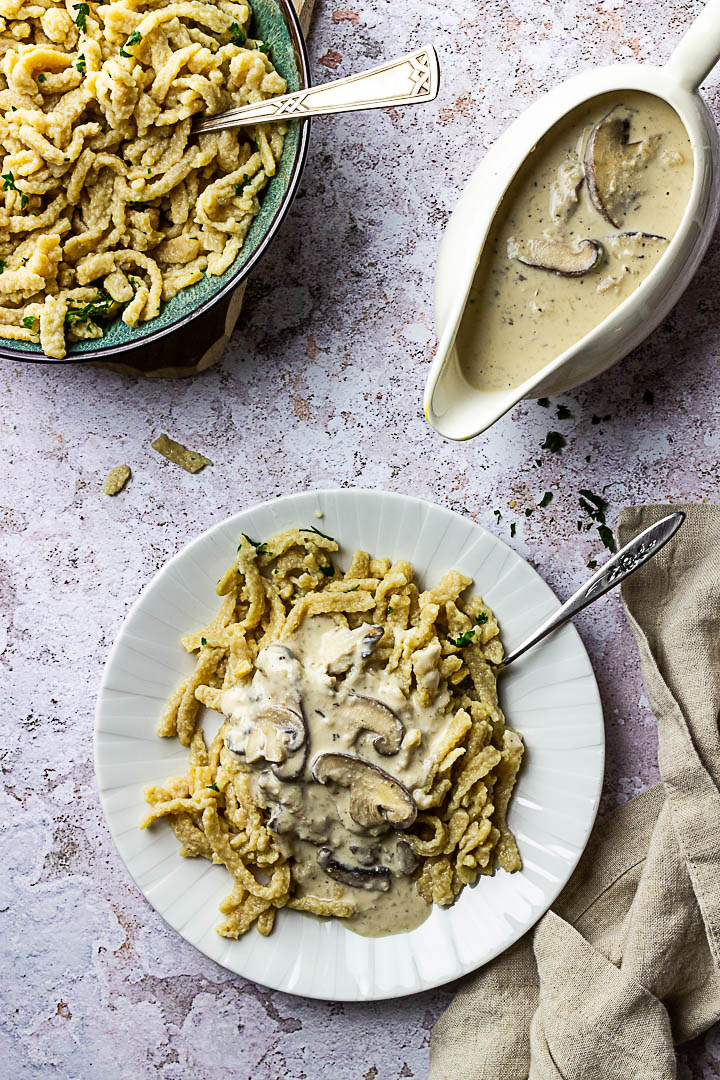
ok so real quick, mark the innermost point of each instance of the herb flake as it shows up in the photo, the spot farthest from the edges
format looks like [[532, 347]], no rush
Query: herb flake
[[465, 639], [554, 442], [83, 10], [546, 499]]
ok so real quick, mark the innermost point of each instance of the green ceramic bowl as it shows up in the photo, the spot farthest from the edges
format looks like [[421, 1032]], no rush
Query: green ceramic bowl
[[189, 323]]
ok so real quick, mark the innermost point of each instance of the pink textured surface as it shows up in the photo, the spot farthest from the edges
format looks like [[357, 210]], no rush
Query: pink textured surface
[[321, 387]]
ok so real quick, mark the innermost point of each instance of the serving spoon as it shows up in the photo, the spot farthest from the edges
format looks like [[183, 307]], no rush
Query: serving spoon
[[625, 562], [409, 80]]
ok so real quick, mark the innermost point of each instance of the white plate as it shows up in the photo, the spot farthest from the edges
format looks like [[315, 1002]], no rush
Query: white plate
[[550, 696]]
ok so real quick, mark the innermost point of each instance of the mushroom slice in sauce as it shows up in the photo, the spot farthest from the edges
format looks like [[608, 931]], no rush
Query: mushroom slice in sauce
[[405, 857], [359, 877], [565, 188], [368, 714], [555, 256], [610, 161], [376, 797], [358, 645], [276, 735]]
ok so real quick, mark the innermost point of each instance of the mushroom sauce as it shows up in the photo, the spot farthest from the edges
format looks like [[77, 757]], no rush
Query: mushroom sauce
[[585, 220], [339, 755]]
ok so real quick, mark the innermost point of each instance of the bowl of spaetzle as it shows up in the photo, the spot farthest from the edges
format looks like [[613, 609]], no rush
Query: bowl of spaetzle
[[307, 761], [119, 226]]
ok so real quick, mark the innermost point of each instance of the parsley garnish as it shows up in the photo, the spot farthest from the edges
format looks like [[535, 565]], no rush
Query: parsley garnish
[[203, 641], [3, 264], [29, 321], [328, 571], [554, 442], [240, 185], [390, 611], [324, 535], [599, 508], [23, 201], [83, 10], [260, 546], [513, 528], [546, 499], [80, 65], [563, 413], [607, 537], [545, 402], [91, 309], [498, 516], [212, 787], [482, 618], [264, 49], [134, 39], [41, 78], [354, 588], [8, 181], [236, 35], [649, 397], [465, 639], [591, 563]]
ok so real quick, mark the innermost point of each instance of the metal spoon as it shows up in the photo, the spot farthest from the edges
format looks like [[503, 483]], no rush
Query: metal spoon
[[625, 562], [409, 80]]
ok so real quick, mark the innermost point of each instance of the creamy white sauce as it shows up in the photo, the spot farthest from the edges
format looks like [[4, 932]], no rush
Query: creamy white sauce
[[520, 318], [309, 817]]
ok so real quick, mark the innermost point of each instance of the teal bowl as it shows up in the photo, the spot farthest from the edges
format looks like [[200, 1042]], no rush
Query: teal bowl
[[189, 323]]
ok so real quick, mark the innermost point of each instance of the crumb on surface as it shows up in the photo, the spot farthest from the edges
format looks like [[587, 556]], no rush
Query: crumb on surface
[[189, 460], [116, 479]]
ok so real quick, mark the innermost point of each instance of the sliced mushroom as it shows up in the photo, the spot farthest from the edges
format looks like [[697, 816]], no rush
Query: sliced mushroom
[[555, 256], [376, 797], [357, 644], [274, 734], [405, 857], [611, 161], [368, 714], [359, 877]]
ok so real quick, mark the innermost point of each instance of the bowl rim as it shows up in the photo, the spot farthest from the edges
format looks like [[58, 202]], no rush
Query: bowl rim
[[109, 352]]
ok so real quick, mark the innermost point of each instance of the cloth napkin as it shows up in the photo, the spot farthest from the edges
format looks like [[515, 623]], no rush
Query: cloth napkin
[[627, 962]]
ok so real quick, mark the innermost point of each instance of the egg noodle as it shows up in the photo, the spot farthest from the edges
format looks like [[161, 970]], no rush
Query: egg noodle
[[109, 203], [460, 831]]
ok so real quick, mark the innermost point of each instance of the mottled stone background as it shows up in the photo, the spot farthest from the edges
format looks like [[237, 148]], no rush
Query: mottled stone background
[[321, 387]]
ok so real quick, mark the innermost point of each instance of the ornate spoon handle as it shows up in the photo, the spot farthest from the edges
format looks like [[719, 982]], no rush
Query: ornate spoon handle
[[412, 78], [625, 562]]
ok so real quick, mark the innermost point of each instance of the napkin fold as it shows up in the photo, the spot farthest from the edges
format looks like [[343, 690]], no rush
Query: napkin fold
[[627, 962]]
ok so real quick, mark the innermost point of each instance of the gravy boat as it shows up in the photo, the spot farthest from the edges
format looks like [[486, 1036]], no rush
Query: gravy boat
[[455, 408]]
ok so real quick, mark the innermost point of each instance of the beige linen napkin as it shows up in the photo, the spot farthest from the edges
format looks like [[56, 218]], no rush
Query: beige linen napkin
[[627, 962]]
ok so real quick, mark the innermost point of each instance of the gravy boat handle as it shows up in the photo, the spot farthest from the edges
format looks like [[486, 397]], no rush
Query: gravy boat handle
[[698, 50]]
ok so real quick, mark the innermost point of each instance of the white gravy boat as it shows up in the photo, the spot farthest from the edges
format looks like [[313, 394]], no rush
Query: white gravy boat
[[455, 408]]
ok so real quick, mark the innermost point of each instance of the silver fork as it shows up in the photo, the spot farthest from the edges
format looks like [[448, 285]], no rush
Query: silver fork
[[409, 80]]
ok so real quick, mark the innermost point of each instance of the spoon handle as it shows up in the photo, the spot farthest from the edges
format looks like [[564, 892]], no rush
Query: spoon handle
[[625, 562], [410, 79]]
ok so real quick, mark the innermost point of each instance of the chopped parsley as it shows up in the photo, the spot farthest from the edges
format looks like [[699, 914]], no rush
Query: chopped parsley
[[607, 537], [212, 787], [465, 639], [563, 413], [354, 588], [80, 64], [324, 535], [513, 528], [328, 571], [8, 181], [241, 184], [498, 516], [554, 442], [23, 201], [546, 499], [203, 641], [390, 611], [3, 264], [41, 78], [260, 547], [528, 510], [649, 397], [544, 402], [592, 564], [482, 618], [236, 35], [599, 507], [83, 10], [134, 39], [264, 48], [90, 310], [29, 322]]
